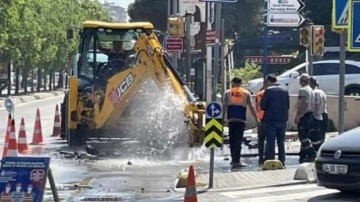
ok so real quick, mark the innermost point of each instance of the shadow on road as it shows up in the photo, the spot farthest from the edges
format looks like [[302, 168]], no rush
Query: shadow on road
[[334, 197]]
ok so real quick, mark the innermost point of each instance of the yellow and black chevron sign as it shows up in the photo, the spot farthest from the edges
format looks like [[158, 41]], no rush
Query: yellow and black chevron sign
[[213, 132]]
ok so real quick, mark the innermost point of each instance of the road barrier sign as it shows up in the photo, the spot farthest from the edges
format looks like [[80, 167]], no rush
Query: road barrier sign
[[354, 26], [213, 132], [213, 127], [340, 14]]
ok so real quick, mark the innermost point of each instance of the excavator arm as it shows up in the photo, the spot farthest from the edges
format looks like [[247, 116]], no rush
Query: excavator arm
[[96, 104]]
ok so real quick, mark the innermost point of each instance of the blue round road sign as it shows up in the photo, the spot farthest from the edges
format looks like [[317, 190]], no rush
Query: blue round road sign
[[213, 110], [9, 104]]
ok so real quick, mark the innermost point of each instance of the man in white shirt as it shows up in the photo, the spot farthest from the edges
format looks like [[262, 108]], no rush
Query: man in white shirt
[[305, 120], [320, 114]]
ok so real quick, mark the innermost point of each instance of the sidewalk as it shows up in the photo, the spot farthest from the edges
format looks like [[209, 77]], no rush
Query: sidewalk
[[31, 97], [249, 179]]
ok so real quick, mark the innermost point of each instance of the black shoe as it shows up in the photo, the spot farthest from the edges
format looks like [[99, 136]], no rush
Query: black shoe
[[238, 165]]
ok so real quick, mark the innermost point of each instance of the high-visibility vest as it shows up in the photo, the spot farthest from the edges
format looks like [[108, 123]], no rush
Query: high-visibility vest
[[5, 197], [237, 102], [258, 97]]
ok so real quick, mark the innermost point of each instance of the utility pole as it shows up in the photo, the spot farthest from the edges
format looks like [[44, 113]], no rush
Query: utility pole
[[175, 11], [215, 80], [342, 81], [209, 68], [309, 50], [265, 47], [188, 17], [222, 53]]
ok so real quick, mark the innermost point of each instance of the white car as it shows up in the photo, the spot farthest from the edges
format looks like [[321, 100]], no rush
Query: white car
[[326, 72]]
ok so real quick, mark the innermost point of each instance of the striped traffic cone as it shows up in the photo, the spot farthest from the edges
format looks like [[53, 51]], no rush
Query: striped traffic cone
[[7, 135], [22, 142], [57, 124], [12, 149], [37, 135], [190, 193]]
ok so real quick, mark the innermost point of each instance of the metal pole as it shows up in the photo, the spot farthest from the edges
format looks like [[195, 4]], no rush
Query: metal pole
[[188, 47], [342, 81], [168, 13], [53, 186], [215, 80], [175, 7], [310, 55], [265, 48], [222, 59]]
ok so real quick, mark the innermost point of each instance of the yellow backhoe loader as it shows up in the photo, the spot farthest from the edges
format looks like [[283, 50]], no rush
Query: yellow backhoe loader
[[114, 60]]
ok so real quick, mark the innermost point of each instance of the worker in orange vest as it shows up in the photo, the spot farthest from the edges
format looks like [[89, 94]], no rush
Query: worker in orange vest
[[235, 103], [260, 130]]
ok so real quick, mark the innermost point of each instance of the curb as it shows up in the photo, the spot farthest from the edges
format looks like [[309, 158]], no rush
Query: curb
[[19, 99], [203, 190]]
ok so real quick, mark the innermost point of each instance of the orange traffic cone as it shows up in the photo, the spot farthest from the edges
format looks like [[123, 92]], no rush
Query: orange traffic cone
[[190, 193], [22, 142], [57, 124], [37, 136], [7, 135], [12, 149]]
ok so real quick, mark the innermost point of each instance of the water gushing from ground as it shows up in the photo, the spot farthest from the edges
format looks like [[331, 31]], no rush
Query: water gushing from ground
[[158, 126]]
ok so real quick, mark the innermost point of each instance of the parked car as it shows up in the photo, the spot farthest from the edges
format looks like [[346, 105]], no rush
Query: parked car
[[327, 73], [338, 162]]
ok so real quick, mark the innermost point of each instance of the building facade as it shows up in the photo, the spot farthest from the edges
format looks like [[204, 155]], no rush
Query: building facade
[[117, 13]]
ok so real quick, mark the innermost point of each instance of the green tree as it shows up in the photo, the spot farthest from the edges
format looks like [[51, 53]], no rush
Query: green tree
[[33, 34], [154, 11], [243, 17]]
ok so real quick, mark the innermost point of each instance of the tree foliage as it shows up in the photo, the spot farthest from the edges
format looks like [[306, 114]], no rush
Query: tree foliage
[[248, 72], [154, 11], [33, 34], [243, 17]]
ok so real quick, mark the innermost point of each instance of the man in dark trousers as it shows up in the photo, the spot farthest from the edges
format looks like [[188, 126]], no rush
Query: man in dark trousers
[[260, 127], [235, 104], [275, 103], [320, 114], [305, 119]]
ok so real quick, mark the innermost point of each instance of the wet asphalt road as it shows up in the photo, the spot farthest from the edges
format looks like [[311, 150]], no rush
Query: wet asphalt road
[[132, 171]]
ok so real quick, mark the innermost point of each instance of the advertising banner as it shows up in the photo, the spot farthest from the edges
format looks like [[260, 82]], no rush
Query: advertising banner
[[23, 179]]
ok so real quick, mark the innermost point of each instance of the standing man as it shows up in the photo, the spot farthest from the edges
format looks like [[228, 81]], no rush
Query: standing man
[[276, 104], [305, 119], [260, 128], [235, 104], [320, 114]]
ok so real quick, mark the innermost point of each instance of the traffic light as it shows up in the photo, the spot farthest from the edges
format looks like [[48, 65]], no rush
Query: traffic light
[[304, 36], [176, 26], [318, 39]]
